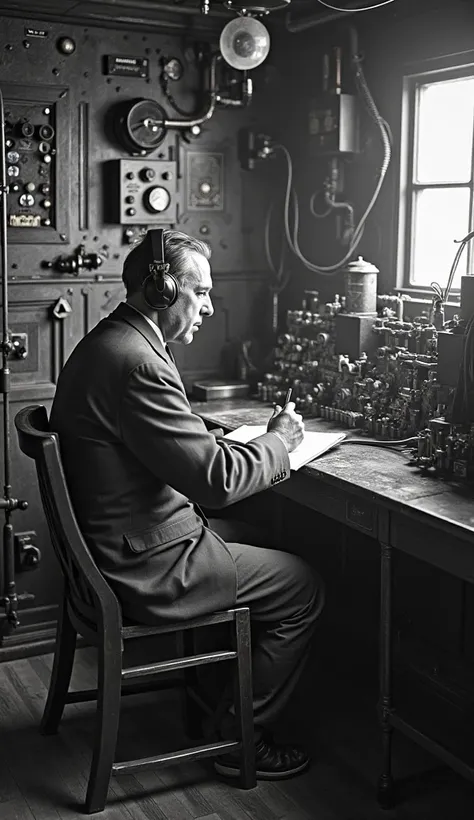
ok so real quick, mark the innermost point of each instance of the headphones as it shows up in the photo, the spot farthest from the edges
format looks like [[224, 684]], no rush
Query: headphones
[[160, 288]]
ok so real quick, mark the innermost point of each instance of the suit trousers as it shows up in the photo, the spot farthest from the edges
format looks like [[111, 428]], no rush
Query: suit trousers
[[285, 596]]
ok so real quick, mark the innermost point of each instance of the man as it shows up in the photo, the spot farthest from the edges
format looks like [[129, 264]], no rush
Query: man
[[138, 463]]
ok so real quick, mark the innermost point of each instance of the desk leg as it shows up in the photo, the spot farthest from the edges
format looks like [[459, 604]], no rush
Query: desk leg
[[385, 794]]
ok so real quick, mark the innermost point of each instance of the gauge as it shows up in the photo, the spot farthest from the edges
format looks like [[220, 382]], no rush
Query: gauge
[[173, 68], [157, 199], [140, 125]]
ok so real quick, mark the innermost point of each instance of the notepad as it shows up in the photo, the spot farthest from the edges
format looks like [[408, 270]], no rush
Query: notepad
[[312, 446]]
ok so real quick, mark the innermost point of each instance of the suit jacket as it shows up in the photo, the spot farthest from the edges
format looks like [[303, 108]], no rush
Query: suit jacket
[[137, 460]]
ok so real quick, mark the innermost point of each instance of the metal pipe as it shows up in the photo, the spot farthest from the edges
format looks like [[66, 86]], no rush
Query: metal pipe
[[139, 5], [304, 23], [9, 587], [185, 124]]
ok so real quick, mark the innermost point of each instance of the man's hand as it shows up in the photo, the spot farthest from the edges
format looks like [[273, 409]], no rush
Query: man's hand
[[288, 425]]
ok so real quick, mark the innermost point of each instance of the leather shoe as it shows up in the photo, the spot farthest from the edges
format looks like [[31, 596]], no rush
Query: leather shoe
[[273, 761]]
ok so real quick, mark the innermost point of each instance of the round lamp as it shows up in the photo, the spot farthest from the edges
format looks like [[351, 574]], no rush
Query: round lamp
[[244, 43]]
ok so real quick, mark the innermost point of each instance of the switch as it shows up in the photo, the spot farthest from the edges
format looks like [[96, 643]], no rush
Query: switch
[[45, 188], [46, 203], [147, 174], [131, 211], [27, 200]]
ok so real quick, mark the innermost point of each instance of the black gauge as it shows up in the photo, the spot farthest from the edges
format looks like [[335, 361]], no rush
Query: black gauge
[[173, 68], [140, 125]]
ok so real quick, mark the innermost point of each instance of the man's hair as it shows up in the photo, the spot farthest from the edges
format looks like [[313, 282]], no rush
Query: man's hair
[[177, 246]]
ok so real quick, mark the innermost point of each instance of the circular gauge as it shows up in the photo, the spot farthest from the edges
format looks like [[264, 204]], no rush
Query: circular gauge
[[140, 125], [173, 68], [157, 199]]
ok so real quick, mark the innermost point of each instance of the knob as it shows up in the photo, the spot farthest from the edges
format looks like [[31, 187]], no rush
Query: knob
[[147, 174], [130, 200], [46, 203], [30, 187], [27, 129], [13, 188], [13, 157], [46, 222], [167, 175], [46, 132], [130, 175], [27, 200], [45, 188], [131, 211], [47, 158]]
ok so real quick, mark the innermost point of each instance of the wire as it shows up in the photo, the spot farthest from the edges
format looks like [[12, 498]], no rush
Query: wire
[[366, 8], [375, 443]]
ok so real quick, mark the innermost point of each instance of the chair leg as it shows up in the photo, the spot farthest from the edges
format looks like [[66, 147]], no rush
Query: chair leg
[[193, 717], [244, 699], [109, 679], [61, 674]]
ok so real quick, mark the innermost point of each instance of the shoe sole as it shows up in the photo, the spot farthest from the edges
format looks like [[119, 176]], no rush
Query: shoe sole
[[231, 771]]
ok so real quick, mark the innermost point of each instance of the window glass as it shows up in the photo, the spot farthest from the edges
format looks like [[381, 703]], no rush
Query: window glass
[[444, 134], [440, 216]]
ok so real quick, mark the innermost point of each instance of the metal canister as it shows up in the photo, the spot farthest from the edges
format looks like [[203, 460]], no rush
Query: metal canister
[[360, 279]]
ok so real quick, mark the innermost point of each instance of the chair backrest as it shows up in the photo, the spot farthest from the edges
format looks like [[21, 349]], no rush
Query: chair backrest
[[92, 603]]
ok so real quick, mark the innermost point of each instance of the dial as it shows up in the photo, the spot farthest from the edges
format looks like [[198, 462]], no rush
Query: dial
[[140, 125], [173, 68], [157, 199]]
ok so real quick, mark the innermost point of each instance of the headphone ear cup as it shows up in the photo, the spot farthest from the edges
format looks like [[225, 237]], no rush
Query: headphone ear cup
[[161, 292]]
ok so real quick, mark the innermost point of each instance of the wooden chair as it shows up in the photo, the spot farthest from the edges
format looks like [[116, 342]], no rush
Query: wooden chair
[[91, 609]]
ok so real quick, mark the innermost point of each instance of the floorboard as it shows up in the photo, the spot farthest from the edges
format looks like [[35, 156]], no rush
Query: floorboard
[[45, 778]]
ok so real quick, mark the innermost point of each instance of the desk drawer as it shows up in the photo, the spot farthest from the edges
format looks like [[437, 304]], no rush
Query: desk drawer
[[346, 508], [433, 545]]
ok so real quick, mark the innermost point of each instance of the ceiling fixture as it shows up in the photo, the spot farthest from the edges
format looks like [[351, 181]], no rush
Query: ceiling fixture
[[245, 41]]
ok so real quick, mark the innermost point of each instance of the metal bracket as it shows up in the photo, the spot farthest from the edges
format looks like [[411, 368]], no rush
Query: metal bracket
[[27, 554]]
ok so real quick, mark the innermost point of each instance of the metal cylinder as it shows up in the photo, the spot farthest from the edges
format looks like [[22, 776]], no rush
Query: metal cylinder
[[467, 297], [360, 279]]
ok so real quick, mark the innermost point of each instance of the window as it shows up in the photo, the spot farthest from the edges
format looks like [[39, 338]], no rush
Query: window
[[437, 176]]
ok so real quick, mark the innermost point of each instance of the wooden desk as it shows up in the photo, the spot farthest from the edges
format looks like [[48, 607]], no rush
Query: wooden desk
[[375, 491]]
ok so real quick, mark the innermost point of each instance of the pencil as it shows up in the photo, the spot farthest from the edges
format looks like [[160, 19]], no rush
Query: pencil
[[288, 395]]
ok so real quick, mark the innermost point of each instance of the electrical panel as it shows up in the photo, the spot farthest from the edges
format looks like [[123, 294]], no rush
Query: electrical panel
[[141, 191], [333, 125], [36, 153]]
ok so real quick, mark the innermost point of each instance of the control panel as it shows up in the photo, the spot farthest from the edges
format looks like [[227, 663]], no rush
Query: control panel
[[30, 148], [37, 163], [146, 192]]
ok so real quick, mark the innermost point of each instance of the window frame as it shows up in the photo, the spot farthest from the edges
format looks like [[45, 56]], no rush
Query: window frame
[[415, 75]]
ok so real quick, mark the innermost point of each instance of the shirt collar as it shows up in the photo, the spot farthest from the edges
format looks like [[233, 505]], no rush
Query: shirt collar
[[152, 324]]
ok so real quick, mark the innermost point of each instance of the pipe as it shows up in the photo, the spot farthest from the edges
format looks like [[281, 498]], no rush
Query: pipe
[[8, 587], [210, 108], [304, 23]]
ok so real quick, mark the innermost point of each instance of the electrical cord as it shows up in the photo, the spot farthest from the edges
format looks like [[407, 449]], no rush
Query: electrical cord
[[386, 135], [376, 443], [366, 8]]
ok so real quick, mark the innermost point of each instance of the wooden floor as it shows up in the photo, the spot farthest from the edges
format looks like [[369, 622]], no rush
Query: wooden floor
[[45, 777]]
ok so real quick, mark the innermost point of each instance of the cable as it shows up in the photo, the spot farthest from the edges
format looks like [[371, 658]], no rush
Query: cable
[[366, 8], [386, 135], [376, 443]]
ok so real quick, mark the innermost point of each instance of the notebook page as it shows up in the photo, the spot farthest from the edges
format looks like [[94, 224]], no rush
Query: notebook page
[[312, 446]]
